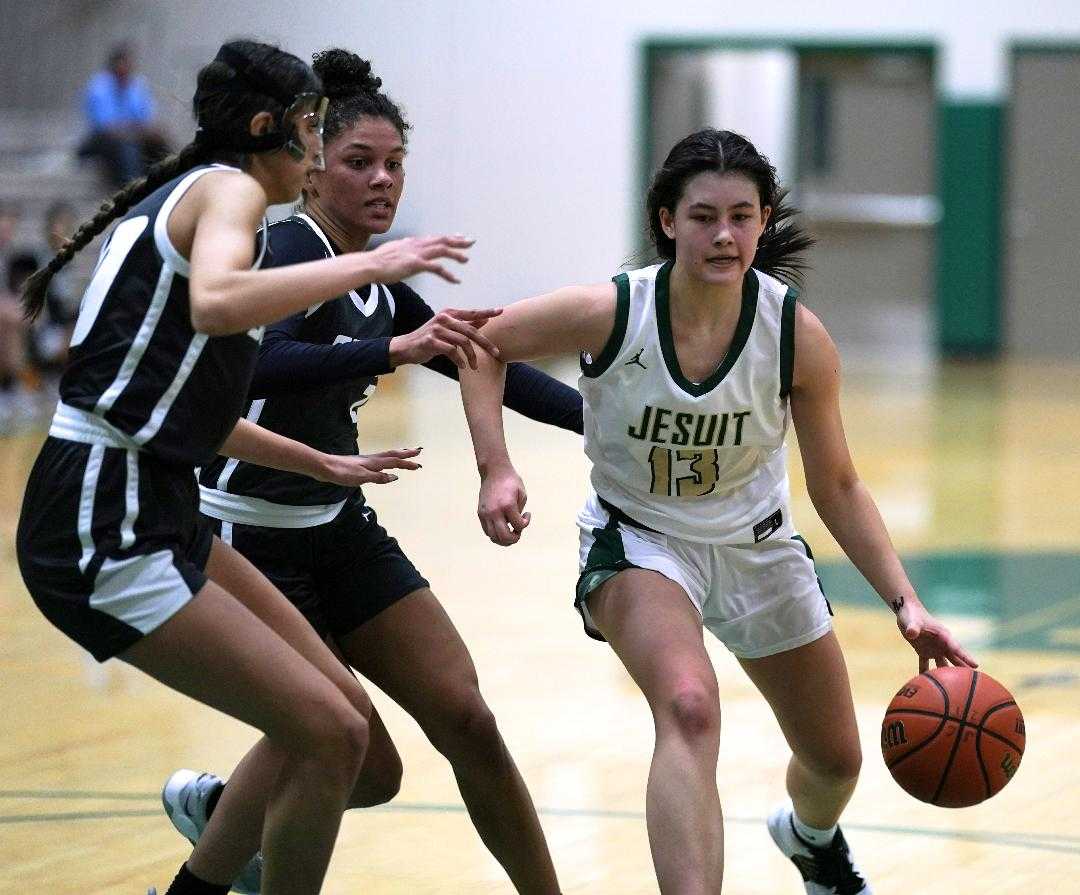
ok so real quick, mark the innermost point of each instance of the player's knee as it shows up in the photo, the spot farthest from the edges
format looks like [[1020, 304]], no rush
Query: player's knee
[[336, 737], [467, 726], [379, 782], [694, 709], [838, 765]]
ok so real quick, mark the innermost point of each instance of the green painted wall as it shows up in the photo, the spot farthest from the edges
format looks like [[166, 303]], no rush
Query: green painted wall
[[970, 173]]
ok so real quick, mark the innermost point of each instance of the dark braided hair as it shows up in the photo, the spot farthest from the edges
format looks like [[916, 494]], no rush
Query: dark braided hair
[[353, 92], [227, 96], [779, 251]]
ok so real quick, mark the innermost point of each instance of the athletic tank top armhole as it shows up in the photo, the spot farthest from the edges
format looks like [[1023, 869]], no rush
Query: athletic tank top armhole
[[787, 340], [169, 253], [618, 332]]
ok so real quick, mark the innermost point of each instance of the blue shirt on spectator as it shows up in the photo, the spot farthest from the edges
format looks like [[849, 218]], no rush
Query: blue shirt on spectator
[[109, 104]]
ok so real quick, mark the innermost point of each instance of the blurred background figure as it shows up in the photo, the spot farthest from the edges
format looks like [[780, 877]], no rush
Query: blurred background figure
[[17, 406], [120, 115], [9, 226], [51, 332]]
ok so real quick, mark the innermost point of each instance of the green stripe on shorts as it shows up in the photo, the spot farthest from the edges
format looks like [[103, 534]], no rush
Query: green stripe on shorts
[[607, 557]]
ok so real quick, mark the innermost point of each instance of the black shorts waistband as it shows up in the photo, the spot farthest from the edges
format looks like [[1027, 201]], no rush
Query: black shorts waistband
[[618, 516]]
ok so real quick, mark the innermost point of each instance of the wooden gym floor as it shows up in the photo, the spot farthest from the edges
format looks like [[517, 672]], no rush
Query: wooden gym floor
[[977, 473]]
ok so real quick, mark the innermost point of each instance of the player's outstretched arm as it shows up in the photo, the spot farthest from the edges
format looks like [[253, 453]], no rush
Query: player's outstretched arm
[[568, 320], [227, 296], [254, 444], [501, 505], [844, 503]]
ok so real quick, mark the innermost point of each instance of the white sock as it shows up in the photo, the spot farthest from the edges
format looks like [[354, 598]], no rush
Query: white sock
[[816, 837]]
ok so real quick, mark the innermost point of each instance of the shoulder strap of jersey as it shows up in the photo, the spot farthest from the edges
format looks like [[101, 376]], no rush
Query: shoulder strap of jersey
[[611, 348], [787, 340]]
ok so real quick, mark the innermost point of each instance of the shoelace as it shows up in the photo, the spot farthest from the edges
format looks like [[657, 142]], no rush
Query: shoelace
[[830, 866]]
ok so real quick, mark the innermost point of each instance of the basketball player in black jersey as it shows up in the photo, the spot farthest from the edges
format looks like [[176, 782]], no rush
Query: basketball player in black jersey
[[110, 541], [321, 543]]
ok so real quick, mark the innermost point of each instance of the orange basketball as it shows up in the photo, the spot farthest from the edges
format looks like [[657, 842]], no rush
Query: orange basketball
[[953, 737]]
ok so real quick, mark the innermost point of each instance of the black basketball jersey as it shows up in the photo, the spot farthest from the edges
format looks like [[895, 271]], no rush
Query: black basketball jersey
[[323, 416], [138, 374]]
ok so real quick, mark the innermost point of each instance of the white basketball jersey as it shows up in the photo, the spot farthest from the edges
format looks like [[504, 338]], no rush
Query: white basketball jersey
[[702, 461]]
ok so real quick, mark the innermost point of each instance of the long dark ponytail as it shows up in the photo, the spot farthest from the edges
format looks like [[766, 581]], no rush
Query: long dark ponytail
[[244, 79], [783, 243]]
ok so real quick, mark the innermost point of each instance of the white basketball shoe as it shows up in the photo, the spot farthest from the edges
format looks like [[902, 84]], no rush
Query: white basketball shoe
[[185, 796], [827, 870]]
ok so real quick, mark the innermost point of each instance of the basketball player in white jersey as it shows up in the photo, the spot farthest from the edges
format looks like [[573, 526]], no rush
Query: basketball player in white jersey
[[691, 371]]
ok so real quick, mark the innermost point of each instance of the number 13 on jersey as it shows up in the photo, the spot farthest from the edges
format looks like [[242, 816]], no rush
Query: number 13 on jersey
[[703, 471]]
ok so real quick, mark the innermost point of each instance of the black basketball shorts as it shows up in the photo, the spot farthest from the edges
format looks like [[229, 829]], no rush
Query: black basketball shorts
[[340, 574], [110, 542]]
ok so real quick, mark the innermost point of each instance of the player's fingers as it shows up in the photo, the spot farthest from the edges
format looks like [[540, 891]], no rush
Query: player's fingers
[[504, 535], [399, 463], [518, 522], [402, 452], [924, 664], [456, 241], [446, 348], [440, 271], [467, 331], [374, 477], [477, 316], [460, 359], [466, 348], [444, 252], [390, 460]]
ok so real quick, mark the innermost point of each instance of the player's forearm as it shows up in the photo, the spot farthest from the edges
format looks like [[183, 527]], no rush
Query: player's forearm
[[244, 299], [254, 444], [852, 517], [287, 364], [535, 394], [482, 397]]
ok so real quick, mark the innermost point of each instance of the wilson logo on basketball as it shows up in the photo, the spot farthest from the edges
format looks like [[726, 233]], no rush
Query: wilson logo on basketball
[[907, 692], [1020, 727], [893, 735]]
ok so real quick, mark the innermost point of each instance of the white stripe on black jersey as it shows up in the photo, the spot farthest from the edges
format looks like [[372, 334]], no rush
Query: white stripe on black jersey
[[135, 360]]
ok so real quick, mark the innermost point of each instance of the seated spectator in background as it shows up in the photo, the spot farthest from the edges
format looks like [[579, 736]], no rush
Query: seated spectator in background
[[16, 406], [120, 114]]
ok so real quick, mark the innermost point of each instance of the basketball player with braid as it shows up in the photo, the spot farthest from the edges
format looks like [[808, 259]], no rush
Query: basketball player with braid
[[691, 372], [322, 544], [110, 542]]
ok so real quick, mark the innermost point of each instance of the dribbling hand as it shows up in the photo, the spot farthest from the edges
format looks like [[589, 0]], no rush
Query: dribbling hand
[[501, 507], [366, 469], [455, 333], [401, 258], [930, 638]]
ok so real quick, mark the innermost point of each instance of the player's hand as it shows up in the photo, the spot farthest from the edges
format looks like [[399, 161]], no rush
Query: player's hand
[[455, 333], [501, 506], [401, 258], [366, 469], [929, 637]]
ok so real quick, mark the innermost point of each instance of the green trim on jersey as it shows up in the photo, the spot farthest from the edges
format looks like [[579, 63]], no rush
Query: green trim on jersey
[[787, 341], [738, 341], [611, 348]]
